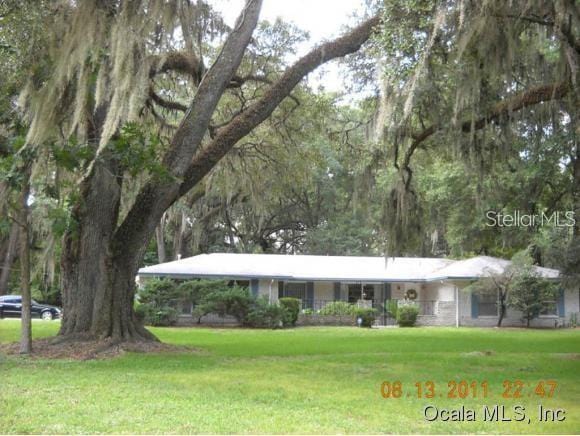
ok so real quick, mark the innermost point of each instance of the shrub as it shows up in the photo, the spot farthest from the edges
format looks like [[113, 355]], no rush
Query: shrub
[[367, 316], [163, 317], [158, 292], [235, 301], [292, 307], [338, 308], [407, 315], [265, 315], [308, 311], [139, 310], [155, 299], [156, 316], [392, 307]]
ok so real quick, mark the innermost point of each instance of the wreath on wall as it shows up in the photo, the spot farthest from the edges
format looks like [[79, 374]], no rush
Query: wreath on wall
[[411, 294]]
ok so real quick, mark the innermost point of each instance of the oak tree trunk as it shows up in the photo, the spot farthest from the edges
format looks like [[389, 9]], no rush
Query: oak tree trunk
[[99, 279]]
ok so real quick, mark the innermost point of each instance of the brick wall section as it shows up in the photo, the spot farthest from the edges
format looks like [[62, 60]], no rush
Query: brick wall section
[[444, 315], [513, 321], [208, 320], [325, 320]]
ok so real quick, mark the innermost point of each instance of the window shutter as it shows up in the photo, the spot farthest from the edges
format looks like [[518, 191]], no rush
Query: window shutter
[[254, 286], [336, 291], [474, 305], [310, 294], [280, 289], [561, 308]]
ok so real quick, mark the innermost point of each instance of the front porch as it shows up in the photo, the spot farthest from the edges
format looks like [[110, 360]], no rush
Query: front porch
[[435, 301]]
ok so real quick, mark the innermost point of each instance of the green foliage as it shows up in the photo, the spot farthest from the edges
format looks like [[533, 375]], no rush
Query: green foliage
[[158, 292], [242, 305], [292, 307], [265, 315], [338, 308], [155, 302], [392, 307], [156, 316], [529, 292], [407, 315], [235, 301], [196, 290], [136, 150], [367, 316]]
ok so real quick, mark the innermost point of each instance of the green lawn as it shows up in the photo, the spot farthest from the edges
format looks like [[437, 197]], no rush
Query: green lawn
[[305, 380]]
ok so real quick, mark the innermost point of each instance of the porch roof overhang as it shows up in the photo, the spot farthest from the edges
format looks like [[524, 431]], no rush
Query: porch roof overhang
[[234, 266]]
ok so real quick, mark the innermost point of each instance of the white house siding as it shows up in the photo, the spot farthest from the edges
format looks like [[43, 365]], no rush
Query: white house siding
[[513, 318], [572, 302], [324, 291]]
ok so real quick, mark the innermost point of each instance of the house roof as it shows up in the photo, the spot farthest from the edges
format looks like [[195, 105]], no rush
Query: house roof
[[482, 266], [330, 268]]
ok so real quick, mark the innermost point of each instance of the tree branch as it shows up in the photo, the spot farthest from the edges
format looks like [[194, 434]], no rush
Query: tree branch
[[159, 193], [244, 123], [166, 104], [502, 109]]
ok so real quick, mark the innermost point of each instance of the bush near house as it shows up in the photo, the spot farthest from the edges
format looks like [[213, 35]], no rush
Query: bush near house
[[235, 301], [407, 315], [155, 299], [158, 298], [158, 317], [292, 307], [367, 316], [265, 315], [392, 308], [338, 308]]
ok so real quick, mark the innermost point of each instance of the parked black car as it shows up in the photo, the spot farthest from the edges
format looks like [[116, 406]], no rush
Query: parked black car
[[11, 307]]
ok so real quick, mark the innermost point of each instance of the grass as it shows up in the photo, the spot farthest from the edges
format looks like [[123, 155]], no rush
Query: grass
[[305, 380]]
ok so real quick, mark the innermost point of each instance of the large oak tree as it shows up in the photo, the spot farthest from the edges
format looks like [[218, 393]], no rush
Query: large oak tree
[[108, 59]]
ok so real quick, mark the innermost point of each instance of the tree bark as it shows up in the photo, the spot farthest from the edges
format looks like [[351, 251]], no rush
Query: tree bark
[[25, 318], [9, 257]]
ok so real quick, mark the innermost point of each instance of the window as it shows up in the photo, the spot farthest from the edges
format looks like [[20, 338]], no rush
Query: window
[[368, 292], [186, 307], [295, 290], [355, 294], [488, 303], [549, 308]]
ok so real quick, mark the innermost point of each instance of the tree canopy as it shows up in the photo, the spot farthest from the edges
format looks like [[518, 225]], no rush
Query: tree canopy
[[154, 131]]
